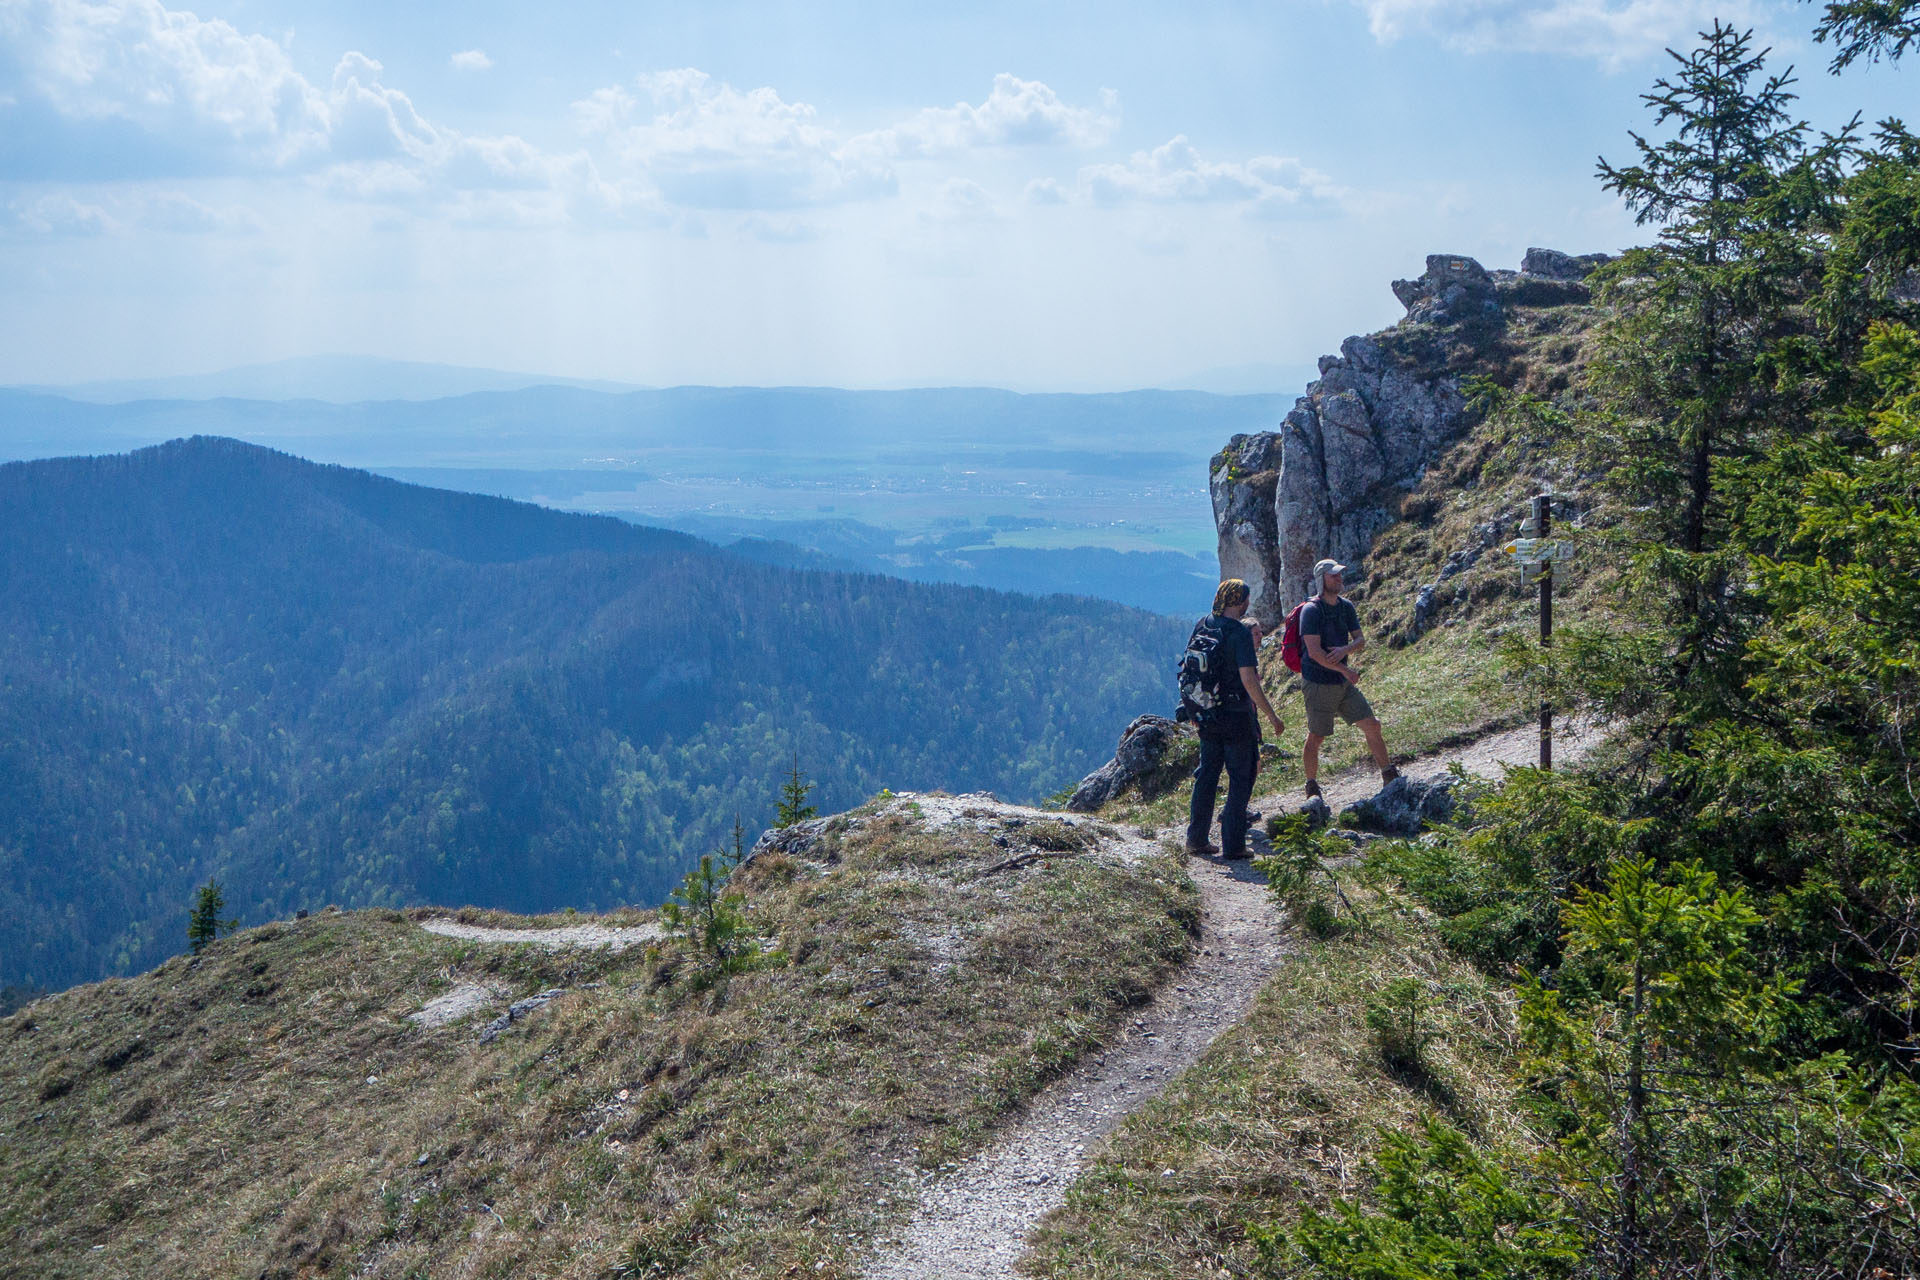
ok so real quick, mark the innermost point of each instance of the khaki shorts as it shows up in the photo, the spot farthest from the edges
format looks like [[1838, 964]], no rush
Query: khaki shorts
[[1325, 700]]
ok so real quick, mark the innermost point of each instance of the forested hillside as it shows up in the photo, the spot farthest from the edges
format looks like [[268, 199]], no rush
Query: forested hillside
[[323, 686]]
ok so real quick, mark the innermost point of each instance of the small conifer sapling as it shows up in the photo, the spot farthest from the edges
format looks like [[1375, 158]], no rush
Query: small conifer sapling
[[793, 797], [204, 923]]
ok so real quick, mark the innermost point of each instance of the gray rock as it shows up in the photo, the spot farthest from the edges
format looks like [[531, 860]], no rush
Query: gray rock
[[1423, 610], [793, 841], [1551, 264], [1318, 815], [1241, 483], [1139, 761], [1329, 478], [1402, 807], [518, 1010], [1455, 290]]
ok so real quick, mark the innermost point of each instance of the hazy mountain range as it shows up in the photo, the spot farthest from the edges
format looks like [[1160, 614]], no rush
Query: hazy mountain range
[[321, 685], [343, 379]]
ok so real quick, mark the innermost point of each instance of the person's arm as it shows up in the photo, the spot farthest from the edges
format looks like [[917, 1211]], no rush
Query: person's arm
[[1335, 661], [1250, 677], [1352, 646]]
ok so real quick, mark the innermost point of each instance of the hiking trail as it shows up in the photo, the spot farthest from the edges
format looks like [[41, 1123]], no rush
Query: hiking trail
[[587, 936], [973, 1223]]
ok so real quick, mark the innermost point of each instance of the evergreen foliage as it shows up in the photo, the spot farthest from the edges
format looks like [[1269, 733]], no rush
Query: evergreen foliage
[[1713, 939], [793, 797], [204, 924]]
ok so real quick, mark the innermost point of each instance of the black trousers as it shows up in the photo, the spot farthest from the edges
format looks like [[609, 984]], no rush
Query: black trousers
[[1236, 748]]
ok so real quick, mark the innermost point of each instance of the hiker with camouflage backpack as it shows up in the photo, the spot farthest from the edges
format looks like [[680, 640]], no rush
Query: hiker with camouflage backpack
[[1219, 692]]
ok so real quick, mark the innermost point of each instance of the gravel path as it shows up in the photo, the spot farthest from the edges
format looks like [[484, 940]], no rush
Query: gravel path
[[972, 1224], [1572, 740], [586, 936]]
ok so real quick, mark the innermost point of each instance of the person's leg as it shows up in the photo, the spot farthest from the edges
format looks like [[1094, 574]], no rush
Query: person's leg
[[1310, 755], [1206, 785], [1376, 741], [1242, 759]]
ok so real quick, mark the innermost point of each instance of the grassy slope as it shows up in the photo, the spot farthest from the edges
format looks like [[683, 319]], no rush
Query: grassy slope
[[1284, 1110], [266, 1109]]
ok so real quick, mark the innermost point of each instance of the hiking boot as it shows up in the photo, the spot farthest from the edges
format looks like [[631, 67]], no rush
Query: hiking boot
[[1203, 850], [1253, 816], [1238, 855], [1313, 788], [1388, 774]]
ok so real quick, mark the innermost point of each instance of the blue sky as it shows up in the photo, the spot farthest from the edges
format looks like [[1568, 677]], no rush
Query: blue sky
[[1041, 196]]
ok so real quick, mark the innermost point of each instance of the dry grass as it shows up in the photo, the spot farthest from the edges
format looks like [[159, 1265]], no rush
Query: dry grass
[[265, 1109], [1284, 1111]]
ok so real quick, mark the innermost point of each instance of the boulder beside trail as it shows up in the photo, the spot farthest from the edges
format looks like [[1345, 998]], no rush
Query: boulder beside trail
[[1317, 813], [1402, 807], [1141, 761]]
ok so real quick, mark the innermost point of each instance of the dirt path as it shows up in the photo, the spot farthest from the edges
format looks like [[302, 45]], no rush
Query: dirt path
[[1572, 740], [588, 936], [972, 1224]]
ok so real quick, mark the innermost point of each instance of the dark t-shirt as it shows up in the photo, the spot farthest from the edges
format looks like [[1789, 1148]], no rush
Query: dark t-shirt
[[1335, 625], [1236, 642], [1236, 645]]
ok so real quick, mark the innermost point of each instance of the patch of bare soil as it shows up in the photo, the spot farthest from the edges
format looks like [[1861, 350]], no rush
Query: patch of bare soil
[[585, 936]]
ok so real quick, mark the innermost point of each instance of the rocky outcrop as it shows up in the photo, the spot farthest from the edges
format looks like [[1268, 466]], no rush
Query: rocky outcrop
[[1331, 477], [1145, 760], [1402, 807]]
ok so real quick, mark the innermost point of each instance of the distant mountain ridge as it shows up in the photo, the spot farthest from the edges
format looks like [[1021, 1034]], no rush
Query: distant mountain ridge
[[323, 686], [333, 378], [554, 426]]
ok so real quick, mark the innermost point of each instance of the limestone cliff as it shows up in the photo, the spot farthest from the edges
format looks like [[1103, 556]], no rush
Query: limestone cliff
[[1332, 476]]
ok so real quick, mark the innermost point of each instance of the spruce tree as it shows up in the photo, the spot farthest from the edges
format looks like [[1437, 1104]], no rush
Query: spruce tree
[[1690, 365], [793, 797], [204, 923], [1870, 29]]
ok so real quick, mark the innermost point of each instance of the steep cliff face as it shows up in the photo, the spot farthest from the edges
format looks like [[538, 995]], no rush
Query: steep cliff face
[[1334, 473]]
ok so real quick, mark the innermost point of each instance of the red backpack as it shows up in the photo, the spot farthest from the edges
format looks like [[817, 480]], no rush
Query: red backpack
[[1290, 639]]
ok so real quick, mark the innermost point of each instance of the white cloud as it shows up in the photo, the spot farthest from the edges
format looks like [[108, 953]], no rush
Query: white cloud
[[470, 60], [963, 200], [203, 98], [1045, 191], [58, 214], [118, 212], [202, 85], [695, 142], [1016, 113], [1269, 186], [707, 145], [179, 212], [1611, 32]]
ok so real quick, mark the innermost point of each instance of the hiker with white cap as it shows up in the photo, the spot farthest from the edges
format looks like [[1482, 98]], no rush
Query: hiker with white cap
[[1329, 630]]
